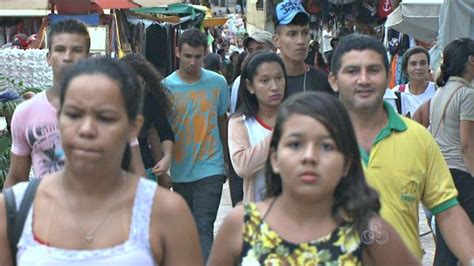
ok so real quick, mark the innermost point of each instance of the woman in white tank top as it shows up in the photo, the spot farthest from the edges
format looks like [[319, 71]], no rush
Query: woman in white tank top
[[95, 212]]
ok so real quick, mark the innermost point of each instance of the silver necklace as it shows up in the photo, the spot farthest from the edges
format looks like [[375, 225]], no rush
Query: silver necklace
[[89, 236]]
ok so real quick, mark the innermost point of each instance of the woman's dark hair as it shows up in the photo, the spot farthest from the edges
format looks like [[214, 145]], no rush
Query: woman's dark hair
[[238, 67], [132, 92], [455, 57], [247, 103], [213, 62], [354, 200], [232, 55], [409, 53], [334, 42], [221, 53], [152, 78]]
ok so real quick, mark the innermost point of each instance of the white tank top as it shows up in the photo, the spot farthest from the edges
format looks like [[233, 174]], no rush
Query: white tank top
[[136, 250]]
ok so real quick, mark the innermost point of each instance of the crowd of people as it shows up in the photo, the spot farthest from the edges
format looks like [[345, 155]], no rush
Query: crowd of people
[[324, 165]]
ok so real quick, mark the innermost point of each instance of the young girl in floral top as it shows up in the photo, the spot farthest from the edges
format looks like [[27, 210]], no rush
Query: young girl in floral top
[[319, 209]]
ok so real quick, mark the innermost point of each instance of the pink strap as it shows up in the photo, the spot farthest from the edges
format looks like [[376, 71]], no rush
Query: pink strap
[[401, 88]]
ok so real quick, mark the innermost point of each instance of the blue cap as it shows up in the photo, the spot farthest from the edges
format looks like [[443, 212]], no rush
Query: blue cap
[[287, 10]]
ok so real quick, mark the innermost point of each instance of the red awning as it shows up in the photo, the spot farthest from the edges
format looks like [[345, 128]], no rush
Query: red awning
[[115, 4]]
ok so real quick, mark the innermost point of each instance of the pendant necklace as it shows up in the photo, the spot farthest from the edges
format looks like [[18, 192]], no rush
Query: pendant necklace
[[89, 236]]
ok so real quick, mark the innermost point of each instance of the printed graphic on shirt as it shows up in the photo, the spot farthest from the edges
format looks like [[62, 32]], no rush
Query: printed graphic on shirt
[[409, 191], [44, 141], [195, 127]]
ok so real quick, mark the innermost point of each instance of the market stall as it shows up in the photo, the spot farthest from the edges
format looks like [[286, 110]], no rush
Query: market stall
[[153, 31], [419, 19]]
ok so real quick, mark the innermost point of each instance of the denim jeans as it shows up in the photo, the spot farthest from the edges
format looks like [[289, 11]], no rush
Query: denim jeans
[[464, 183], [203, 197]]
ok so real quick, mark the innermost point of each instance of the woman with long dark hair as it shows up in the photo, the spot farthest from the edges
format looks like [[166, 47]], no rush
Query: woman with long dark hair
[[262, 90], [452, 126], [156, 106]]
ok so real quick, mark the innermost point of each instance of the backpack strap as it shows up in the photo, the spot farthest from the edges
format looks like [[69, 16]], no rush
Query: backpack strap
[[398, 101], [16, 220], [10, 205]]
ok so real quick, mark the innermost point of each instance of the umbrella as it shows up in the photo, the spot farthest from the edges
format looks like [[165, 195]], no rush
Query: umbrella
[[417, 18]]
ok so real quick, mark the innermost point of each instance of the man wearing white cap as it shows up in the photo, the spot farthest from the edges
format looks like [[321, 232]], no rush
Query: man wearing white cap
[[292, 37]]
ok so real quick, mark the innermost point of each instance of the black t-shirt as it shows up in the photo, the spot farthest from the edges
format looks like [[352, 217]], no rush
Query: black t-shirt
[[316, 80]]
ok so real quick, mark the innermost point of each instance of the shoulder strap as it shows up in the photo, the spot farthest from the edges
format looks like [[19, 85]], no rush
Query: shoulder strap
[[10, 205], [14, 231], [444, 110], [398, 101], [402, 88]]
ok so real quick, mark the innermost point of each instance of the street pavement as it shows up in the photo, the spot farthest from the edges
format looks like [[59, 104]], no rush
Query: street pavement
[[427, 242]]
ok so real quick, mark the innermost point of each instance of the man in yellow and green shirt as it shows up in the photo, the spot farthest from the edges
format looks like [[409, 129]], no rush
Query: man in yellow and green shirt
[[401, 159]]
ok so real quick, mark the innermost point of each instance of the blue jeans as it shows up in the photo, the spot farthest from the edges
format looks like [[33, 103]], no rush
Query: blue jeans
[[203, 197]]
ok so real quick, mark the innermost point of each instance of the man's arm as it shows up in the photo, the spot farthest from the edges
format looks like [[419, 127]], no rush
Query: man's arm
[[458, 232], [19, 170]]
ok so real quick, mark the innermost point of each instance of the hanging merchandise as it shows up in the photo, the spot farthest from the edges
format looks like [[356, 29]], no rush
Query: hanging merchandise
[[397, 42], [342, 2], [156, 54], [313, 6], [120, 52], [367, 12], [384, 8], [139, 39], [392, 82], [400, 77], [233, 27], [26, 67]]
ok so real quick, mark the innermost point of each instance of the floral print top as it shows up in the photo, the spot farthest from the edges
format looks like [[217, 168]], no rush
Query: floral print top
[[263, 246]]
